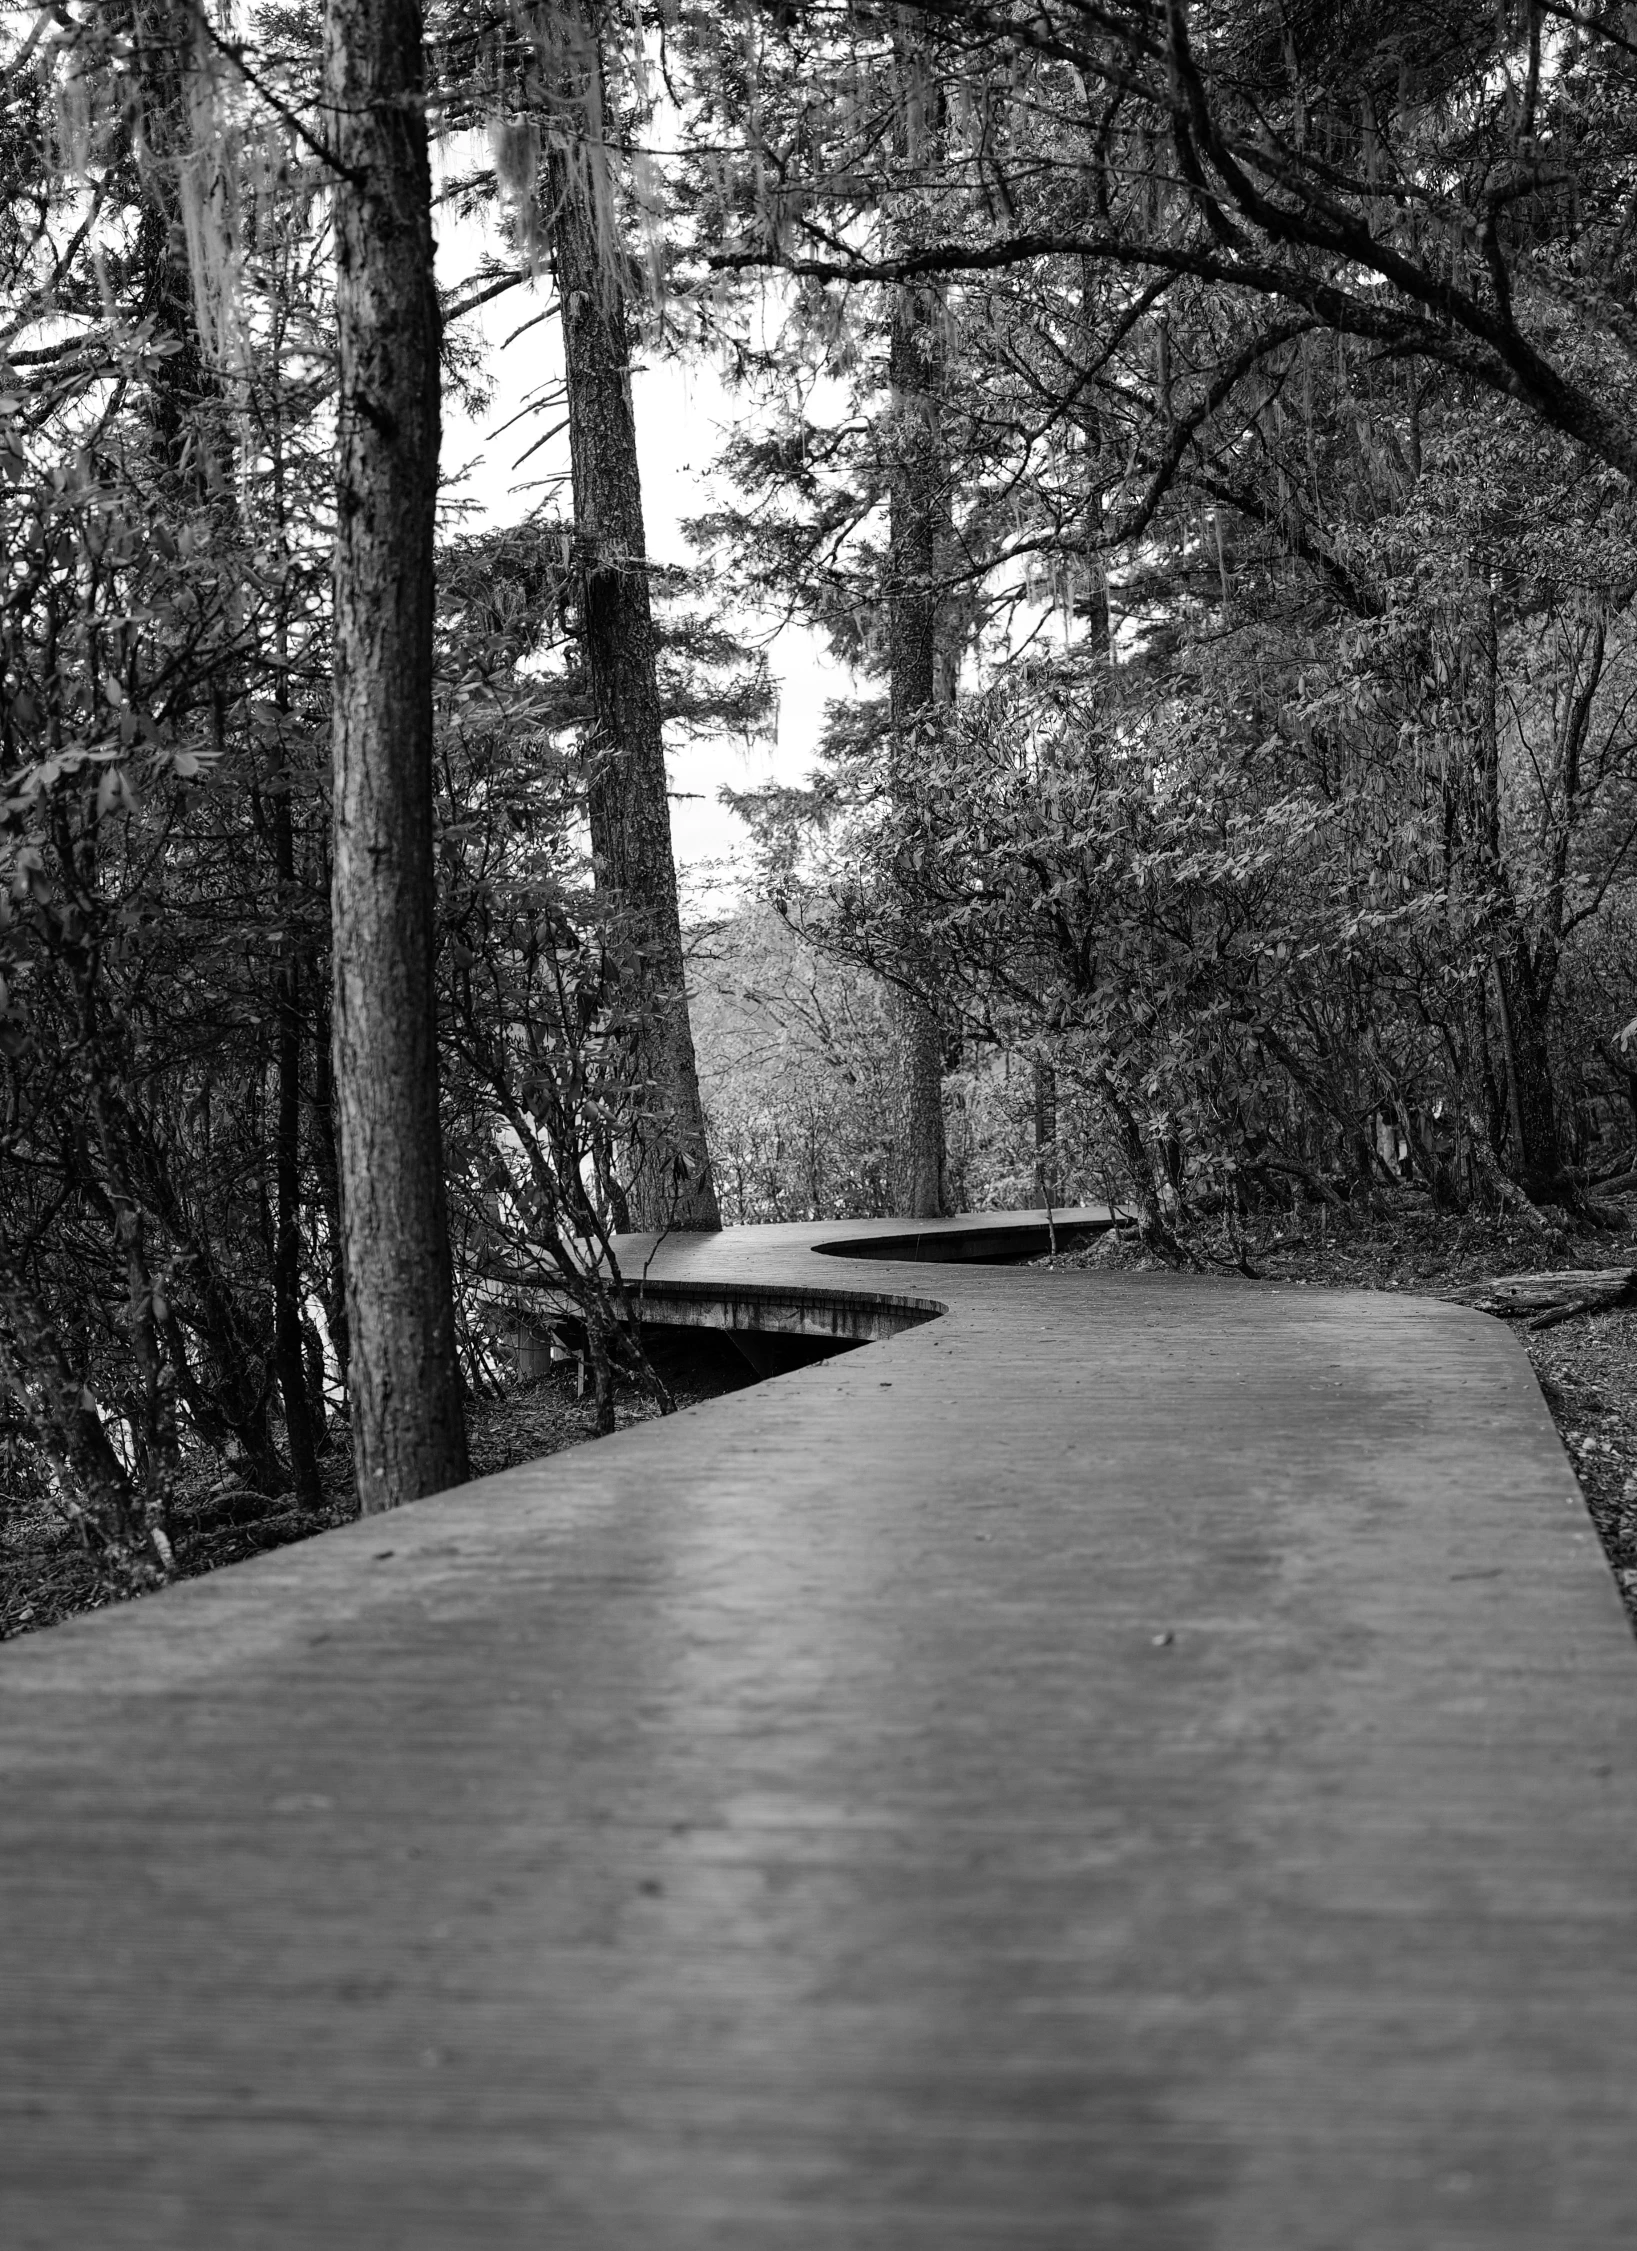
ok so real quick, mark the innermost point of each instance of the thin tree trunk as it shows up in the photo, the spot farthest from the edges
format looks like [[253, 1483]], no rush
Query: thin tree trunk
[[666, 1158], [407, 1422], [327, 1165], [1098, 617], [287, 1342], [1522, 991], [1045, 1134], [295, 1342]]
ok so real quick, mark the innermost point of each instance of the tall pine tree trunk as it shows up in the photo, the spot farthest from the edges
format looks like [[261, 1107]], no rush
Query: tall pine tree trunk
[[918, 514], [408, 1430], [665, 1158]]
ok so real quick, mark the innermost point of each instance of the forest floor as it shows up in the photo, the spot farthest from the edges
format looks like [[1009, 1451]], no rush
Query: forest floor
[[47, 1574], [1586, 1367]]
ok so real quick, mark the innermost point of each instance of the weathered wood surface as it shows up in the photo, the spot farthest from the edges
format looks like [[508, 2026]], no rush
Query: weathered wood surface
[[1557, 1294], [1134, 1763]]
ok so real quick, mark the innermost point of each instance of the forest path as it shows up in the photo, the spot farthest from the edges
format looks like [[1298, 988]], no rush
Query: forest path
[[1135, 1762]]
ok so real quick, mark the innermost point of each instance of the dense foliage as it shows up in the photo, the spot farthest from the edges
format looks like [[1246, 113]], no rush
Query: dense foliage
[[171, 1292], [1287, 811], [1205, 432]]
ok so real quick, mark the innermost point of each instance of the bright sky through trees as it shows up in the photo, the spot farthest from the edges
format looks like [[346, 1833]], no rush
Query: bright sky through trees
[[684, 412]]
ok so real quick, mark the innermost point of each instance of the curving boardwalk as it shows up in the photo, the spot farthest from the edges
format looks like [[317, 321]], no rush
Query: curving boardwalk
[[1131, 1763]]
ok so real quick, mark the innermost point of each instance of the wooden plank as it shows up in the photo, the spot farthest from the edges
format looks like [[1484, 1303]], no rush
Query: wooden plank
[[1134, 1762]]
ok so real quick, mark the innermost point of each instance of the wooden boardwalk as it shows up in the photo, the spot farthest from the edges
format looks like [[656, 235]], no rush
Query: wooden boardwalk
[[1131, 1763]]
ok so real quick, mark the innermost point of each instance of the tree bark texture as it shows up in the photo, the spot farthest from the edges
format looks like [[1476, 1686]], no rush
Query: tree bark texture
[[918, 509], [669, 1182], [407, 1421]]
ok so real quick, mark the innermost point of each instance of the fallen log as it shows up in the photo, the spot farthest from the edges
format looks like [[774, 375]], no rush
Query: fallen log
[[1614, 1166], [1541, 1301]]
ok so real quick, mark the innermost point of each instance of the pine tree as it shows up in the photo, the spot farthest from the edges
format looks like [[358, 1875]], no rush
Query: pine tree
[[666, 1169], [404, 1382]]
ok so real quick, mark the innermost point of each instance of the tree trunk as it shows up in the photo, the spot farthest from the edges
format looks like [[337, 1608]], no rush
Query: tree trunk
[[1536, 1158], [289, 1357], [407, 1422], [1523, 976], [326, 1149], [923, 1159], [1092, 321], [669, 1183], [918, 515], [1045, 1134], [164, 34]]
